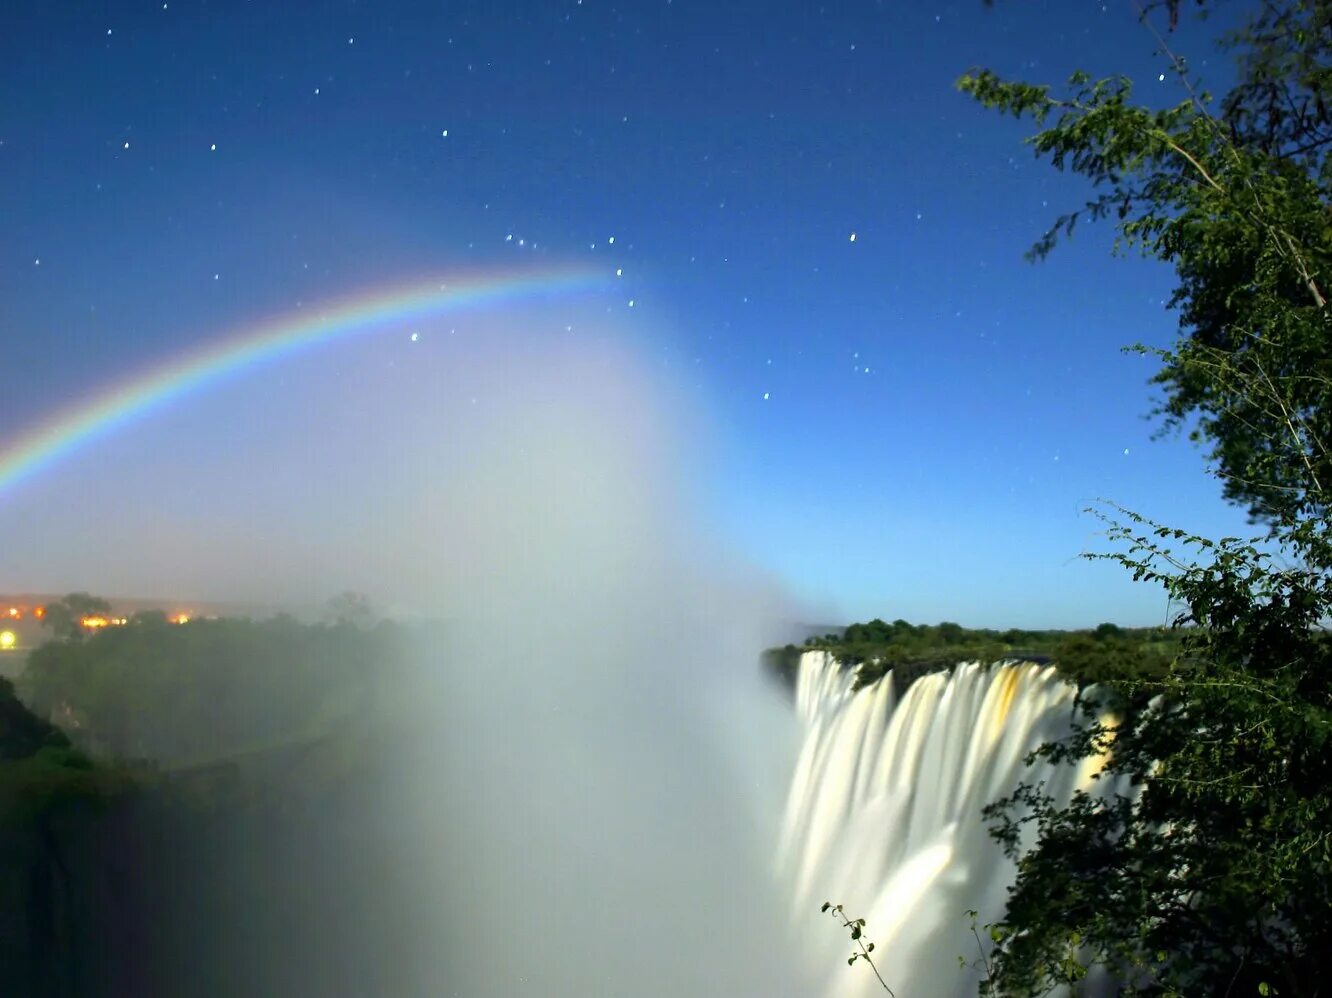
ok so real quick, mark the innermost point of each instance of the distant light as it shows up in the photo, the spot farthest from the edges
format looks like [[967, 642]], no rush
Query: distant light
[[8, 639], [180, 618], [39, 612], [93, 623], [15, 612]]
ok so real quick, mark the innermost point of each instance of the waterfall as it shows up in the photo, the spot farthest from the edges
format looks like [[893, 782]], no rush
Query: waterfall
[[884, 813]]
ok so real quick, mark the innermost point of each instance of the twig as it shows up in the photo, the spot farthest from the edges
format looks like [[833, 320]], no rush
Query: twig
[[856, 926]]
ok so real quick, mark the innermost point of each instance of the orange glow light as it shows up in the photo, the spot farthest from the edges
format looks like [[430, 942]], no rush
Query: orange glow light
[[92, 623], [39, 612], [181, 618], [15, 612]]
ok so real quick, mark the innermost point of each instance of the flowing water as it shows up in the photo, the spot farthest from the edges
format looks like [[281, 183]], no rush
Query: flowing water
[[884, 813]]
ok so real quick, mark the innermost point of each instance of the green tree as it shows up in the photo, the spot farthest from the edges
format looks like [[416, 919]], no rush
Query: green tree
[[1107, 632], [1207, 869], [1235, 198], [217, 687], [350, 608], [950, 633], [63, 616]]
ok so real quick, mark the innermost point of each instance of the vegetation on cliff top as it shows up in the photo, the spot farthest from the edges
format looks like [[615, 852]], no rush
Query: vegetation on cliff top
[[1212, 873], [1085, 656]]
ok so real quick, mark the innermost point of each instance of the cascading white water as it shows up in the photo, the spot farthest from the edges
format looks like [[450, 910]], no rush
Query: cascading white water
[[884, 813]]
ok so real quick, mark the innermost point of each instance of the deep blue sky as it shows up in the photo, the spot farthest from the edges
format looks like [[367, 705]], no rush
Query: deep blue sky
[[903, 424]]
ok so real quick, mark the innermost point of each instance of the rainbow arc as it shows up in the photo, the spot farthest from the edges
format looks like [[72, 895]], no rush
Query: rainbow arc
[[62, 435]]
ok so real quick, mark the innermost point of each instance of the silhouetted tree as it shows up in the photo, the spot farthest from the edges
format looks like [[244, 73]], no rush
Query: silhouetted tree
[[63, 616]]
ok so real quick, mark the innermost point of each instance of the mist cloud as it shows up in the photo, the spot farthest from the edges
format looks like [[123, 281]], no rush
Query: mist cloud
[[583, 791]]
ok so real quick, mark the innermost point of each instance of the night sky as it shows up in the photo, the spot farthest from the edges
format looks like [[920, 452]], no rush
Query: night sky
[[811, 243]]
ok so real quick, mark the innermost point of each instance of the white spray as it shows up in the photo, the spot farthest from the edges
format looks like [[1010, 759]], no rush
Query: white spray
[[884, 814]]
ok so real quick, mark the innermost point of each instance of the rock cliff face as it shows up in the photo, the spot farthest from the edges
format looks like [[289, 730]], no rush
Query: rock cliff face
[[70, 905], [245, 877], [22, 733]]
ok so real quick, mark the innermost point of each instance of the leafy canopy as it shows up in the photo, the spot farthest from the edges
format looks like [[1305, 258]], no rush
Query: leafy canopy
[[1199, 859], [1235, 197]]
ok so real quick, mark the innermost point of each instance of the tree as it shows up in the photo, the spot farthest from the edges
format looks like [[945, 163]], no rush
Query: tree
[[1107, 632], [352, 609], [216, 687], [1236, 198], [950, 633], [63, 618], [1202, 861]]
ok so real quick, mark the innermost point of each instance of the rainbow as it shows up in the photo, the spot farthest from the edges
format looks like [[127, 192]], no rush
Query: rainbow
[[269, 340]]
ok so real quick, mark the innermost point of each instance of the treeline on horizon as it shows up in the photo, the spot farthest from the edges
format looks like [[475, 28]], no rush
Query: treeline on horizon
[[175, 694], [1084, 656]]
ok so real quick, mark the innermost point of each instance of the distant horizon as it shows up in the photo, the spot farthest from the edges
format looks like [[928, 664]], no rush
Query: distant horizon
[[234, 607]]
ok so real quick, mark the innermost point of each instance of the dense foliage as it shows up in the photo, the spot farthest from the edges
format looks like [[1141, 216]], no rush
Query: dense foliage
[[63, 617], [1210, 870], [180, 693], [1235, 198], [1085, 656]]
